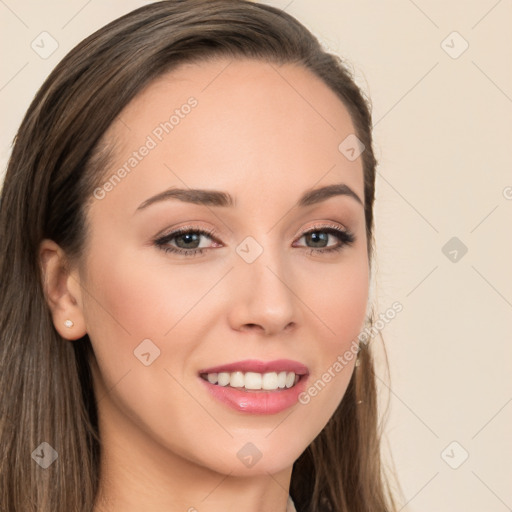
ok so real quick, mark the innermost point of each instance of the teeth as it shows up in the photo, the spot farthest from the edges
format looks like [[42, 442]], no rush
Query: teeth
[[223, 379], [254, 381], [236, 380], [269, 380], [290, 380]]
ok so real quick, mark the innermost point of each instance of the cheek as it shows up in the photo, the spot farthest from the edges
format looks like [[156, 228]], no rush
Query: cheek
[[140, 296], [339, 300], [338, 296]]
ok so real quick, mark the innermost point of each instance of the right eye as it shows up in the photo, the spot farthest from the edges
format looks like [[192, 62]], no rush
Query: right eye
[[188, 238]]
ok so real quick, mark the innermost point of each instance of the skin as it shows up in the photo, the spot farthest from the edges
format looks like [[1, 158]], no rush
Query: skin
[[265, 134]]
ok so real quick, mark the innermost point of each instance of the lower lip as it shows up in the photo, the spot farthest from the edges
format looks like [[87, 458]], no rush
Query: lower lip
[[257, 402]]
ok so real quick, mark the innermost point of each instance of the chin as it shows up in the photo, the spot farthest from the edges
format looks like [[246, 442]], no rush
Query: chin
[[254, 459]]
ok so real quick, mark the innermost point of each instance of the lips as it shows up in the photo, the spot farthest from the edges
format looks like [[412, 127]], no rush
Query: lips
[[256, 366]]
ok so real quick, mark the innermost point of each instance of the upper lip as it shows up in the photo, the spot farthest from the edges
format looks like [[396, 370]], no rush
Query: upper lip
[[253, 365]]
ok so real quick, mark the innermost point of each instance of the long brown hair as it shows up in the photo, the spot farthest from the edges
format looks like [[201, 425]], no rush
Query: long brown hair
[[58, 159]]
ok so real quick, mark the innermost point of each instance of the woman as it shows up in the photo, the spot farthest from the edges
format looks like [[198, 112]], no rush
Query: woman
[[187, 237]]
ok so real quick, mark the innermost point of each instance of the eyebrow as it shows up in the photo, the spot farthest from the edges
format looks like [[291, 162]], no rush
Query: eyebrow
[[223, 199]]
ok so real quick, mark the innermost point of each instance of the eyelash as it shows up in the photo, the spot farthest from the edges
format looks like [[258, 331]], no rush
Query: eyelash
[[345, 237]]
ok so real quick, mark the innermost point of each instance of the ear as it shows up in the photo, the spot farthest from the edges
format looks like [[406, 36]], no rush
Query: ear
[[62, 290]]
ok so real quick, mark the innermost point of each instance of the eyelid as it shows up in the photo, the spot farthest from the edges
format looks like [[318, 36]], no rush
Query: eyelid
[[324, 225], [213, 233]]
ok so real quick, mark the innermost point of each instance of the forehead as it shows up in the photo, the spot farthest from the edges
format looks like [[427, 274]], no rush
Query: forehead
[[234, 125]]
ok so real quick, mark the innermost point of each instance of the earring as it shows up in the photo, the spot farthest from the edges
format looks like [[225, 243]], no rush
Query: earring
[[358, 361], [68, 323]]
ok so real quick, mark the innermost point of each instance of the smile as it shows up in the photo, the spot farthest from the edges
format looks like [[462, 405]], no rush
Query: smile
[[256, 387]]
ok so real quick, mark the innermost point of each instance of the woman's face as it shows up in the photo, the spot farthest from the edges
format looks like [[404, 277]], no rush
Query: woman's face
[[259, 288]]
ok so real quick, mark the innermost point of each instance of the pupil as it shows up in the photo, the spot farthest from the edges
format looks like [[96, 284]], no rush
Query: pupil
[[318, 237]]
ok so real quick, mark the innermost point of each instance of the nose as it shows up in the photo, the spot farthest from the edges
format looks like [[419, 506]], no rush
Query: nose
[[262, 298]]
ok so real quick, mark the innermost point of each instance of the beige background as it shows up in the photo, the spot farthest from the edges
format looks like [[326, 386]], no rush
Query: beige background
[[443, 138]]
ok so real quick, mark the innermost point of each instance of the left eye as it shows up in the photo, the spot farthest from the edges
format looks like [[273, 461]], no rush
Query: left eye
[[321, 235], [188, 241]]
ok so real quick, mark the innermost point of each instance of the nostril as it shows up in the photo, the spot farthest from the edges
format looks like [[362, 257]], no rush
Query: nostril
[[250, 327]]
